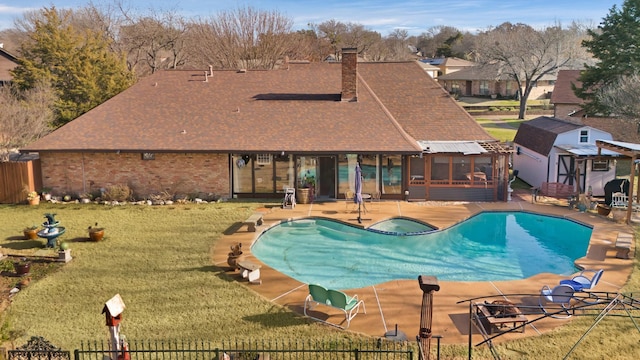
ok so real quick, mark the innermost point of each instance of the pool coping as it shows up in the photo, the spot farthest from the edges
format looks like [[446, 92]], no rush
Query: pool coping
[[398, 302]]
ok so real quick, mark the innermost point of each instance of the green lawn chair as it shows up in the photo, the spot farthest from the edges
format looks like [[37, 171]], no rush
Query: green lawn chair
[[317, 295], [349, 305]]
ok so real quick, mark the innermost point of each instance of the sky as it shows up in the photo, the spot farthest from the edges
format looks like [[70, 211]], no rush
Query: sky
[[383, 16]]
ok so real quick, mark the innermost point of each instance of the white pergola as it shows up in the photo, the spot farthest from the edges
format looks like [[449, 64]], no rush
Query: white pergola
[[627, 149]]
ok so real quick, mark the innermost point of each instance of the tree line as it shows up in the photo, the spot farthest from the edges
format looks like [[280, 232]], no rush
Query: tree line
[[82, 57]]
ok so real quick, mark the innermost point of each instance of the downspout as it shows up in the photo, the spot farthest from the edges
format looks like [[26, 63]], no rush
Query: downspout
[[84, 180]]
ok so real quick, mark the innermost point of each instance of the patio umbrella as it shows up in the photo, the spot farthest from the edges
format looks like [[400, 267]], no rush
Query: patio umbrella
[[358, 189]]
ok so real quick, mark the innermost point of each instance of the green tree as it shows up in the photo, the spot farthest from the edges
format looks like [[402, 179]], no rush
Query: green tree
[[616, 46], [76, 63]]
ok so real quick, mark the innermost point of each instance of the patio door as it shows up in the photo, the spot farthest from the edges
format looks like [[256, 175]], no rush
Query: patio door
[[326, 186]]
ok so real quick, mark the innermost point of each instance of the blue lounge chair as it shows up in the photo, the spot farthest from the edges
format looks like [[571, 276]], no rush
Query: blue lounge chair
[[588, 283], [349, 305], [560, 295]]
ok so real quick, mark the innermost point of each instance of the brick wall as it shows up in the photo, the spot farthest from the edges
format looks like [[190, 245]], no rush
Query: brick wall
[[181, 174], [349, 74]]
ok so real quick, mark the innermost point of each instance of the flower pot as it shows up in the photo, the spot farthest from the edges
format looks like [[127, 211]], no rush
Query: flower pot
[[31, 234], [603, 210], [22, 268], [96, 235], [34, 201], [303, 195]]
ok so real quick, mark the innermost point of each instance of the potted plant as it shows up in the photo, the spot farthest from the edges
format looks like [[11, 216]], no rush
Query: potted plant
[[31, 232], [96, 233], [33, 198], [22, 266]]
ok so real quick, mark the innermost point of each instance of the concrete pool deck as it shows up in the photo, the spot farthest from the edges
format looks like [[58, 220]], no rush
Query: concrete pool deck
[[399, 302]]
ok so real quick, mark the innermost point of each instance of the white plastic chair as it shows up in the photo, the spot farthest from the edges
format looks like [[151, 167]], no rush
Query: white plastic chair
[[619, 200], [561, 295]]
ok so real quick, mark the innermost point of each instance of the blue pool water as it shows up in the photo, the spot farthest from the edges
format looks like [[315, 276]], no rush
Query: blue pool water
[[490, 246]]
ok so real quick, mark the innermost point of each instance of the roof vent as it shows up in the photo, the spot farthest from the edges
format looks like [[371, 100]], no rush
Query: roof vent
[[242, 71]]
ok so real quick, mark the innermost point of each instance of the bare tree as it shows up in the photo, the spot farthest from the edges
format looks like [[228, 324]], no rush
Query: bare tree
[[398, 44], [340, 35], [243, 38], [154, 42], [622, 96], [305, 45], [25, 117], [526, 54]]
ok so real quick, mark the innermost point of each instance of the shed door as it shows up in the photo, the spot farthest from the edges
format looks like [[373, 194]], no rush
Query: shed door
[[567, 171]]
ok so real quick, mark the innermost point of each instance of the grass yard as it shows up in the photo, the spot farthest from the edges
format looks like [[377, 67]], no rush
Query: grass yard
[[158, 260], [503, 130]]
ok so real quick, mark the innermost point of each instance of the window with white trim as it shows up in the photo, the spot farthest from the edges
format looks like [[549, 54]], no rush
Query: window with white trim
[[584, 136]]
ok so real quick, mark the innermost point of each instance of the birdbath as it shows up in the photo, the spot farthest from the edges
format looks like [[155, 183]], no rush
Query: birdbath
[[51, 230]]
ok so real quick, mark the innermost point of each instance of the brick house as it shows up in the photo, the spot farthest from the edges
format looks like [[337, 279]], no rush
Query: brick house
[[254, 133], [7, 63], [489, 80]]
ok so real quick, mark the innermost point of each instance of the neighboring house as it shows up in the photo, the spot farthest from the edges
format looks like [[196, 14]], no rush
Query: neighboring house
[[567, 106], [448, 65], [7, 63], [489, 80], [255, 133], [429, 69], [554, 150]]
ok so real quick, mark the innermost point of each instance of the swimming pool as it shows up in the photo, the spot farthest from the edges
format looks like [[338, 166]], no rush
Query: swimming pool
[[490, 246]]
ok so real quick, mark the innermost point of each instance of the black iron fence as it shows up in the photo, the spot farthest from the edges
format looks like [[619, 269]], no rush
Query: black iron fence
[[253, 350]]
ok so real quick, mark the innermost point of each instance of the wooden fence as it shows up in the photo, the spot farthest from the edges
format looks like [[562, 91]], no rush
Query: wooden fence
[[17, 178]]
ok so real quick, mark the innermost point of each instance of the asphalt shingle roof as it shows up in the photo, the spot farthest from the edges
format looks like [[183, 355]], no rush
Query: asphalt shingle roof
[[539, 134], [292, 110]]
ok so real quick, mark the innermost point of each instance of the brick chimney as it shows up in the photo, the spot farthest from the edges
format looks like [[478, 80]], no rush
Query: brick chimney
[[349, 74]]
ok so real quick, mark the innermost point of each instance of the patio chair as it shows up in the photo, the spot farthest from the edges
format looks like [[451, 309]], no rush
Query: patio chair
[[619, 200], [349, 205], [560, 295], [289, 201], [318, 294], [588, 283], [375, 200], [349, 305]]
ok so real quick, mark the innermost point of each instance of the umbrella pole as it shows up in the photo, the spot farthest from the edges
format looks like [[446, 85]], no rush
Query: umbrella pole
[[359, 219]]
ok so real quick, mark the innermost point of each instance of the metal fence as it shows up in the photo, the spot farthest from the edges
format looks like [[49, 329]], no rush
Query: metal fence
[[253, 350]]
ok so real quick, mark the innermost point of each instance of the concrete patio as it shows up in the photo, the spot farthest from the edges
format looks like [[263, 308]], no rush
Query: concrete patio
[[399, 302]]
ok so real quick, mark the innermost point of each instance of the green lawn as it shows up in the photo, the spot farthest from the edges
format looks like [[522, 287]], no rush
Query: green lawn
[[158, 260], [503, 130]]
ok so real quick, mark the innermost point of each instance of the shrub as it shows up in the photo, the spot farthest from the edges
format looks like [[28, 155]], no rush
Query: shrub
[[493, 108], [117, 193]]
